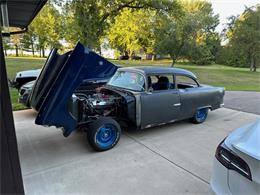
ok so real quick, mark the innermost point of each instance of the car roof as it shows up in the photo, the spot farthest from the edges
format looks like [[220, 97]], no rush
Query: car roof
[[150, 70]]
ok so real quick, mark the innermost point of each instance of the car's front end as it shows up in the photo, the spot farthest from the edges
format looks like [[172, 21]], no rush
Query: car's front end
[[24, 93], [60, 77], [24, 77], [236, 168]]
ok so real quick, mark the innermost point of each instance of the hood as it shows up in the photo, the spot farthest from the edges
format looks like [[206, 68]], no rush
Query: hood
[[47, 76], [247, 139], [59, 78], [28, 73]]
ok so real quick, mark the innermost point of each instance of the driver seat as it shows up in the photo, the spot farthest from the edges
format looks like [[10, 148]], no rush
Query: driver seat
[[162, 84]]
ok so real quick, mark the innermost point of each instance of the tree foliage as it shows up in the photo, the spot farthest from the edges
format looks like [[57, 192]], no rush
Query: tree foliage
[[29, 41], [6, 45], [132, 31], [181, 29], [71, 30], [16, 42], [94, 17], [243, 34], [190, 36], [50, 33]]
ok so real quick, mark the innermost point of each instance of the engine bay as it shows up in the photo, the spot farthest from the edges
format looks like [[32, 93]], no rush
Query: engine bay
[[95, 103]]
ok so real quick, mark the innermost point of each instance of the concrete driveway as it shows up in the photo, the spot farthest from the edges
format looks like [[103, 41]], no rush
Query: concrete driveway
[[172, 159]]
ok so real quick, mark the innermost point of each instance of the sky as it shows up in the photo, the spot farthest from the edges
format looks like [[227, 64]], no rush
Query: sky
[[226, 8]]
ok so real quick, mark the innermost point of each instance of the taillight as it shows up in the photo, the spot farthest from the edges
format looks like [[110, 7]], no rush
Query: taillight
[[231, 161]]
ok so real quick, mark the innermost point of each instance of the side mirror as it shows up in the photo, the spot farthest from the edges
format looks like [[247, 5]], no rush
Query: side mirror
[[150, 90]]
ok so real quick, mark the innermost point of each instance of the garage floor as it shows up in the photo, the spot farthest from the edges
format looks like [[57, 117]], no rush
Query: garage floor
[[173, 159]]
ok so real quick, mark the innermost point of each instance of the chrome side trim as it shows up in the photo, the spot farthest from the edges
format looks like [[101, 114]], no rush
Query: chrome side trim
[[138, 109]]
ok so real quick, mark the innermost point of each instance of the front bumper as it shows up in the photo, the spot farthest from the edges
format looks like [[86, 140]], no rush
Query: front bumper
[[24, 95]]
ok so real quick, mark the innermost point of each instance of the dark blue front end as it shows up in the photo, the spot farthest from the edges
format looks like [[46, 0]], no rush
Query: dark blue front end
[[82, 65]]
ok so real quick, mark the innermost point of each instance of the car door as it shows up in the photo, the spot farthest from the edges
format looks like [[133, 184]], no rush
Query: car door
[[159, 106], [190, 95]]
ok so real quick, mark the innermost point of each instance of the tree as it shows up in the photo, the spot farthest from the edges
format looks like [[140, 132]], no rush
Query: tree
[[16, 41], [28, 41], [51, 33], [205, 49], [94, 17], [132, 31], [6, 45], [71, 30], [187, 37], [243, 34]]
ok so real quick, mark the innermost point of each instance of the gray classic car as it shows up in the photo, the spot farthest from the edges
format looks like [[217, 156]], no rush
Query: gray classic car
[[142, 97]]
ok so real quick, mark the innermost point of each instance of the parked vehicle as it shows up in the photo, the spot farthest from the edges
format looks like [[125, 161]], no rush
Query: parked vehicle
[[24, 93], [142, 97], [136, 57], [236, 167], [24, 77], [124, 57]]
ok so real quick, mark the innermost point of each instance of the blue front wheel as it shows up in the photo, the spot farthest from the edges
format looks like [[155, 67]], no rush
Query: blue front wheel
[[200, 115], [104, 133]]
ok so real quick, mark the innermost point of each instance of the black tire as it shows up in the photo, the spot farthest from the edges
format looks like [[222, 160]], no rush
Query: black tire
[[103, 134], [200, 115]]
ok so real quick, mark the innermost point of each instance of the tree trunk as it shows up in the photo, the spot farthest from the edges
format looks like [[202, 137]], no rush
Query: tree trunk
[[99, 48], [16, 51], [5, 51], [253, 64], [40, 51], [153, 57], [43, 52], [131, 54], [173, 62], [32, 49]]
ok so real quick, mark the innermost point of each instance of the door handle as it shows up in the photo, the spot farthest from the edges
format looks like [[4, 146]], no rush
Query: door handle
[[177, 104]]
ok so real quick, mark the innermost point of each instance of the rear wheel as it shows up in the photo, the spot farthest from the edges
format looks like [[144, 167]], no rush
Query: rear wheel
[[104, 133], [200, 115]]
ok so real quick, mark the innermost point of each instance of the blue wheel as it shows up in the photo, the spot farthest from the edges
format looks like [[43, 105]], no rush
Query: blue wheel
[[200, 115], [104, 134]]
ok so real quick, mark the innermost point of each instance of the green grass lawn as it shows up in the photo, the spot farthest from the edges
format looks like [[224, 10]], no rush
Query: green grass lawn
[[14, 65], [234, 79]]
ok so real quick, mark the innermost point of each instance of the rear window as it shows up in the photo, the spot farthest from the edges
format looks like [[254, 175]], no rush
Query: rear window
[[185, 82]]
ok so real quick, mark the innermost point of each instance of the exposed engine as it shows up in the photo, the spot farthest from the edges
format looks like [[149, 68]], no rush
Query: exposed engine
[[100, 103]]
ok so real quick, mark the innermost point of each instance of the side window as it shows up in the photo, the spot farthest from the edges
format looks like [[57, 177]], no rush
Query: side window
[[160, 82], [184, 82]]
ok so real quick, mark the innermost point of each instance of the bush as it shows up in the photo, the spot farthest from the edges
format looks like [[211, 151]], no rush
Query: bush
[[232, 57]]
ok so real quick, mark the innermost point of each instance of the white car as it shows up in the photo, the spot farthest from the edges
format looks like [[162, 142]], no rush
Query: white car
[[237, 164], [24, 77]]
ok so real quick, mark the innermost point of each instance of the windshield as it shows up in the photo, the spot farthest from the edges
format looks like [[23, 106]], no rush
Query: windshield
[[128, 80]]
